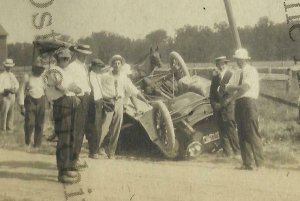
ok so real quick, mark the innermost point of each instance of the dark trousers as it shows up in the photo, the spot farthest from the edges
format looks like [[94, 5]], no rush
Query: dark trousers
[[80, 123], [64, 116], [249, 136], [228, 136], [94, 133], [34, 119]]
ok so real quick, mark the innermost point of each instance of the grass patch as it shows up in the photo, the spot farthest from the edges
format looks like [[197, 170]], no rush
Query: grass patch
[[15, 140], [282, 153]]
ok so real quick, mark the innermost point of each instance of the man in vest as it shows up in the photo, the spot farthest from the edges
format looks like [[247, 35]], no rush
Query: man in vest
[[224, 115]]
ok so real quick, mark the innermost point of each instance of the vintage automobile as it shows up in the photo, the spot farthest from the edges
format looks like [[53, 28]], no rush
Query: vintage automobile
[[179, 118]]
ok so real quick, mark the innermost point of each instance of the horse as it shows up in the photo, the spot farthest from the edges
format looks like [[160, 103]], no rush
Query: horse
[[146, 68]]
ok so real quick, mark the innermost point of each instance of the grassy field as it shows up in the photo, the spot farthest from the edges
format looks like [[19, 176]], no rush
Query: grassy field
[[278, 125]]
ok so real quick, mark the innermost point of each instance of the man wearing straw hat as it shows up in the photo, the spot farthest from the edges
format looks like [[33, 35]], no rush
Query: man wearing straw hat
[[114, 87], [224, 115], [9, 85], [62, 89], [246, 93], [80, 72]]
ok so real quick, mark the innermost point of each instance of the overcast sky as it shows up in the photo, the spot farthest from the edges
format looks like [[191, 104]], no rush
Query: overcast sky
[[130, 18]]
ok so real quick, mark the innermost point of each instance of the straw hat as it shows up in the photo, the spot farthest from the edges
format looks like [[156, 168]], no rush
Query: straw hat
[[84, 49], [8, 63], [221, 59], [117, 57], [241, 54]]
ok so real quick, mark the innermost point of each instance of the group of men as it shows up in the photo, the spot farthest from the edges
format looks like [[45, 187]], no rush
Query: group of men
[[89, 100], [233, 96], [86, 100]]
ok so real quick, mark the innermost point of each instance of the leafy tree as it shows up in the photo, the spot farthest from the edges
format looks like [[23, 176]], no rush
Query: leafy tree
[[157, 37], [264, 41]]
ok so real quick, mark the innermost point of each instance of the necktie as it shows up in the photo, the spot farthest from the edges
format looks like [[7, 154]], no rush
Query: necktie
[[241, 78], [12, 84], [116, 88]]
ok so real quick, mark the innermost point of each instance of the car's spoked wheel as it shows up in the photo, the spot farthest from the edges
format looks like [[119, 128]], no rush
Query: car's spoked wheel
[[178, 65], [165, 130], [178, 70]]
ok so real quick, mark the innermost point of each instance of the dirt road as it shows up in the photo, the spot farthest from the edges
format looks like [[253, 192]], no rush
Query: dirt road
[[25, 176]]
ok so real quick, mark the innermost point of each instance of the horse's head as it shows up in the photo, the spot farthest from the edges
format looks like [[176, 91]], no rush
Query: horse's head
[[155, 58]]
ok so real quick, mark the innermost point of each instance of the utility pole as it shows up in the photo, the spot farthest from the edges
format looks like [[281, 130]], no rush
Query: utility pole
[[232, 24]]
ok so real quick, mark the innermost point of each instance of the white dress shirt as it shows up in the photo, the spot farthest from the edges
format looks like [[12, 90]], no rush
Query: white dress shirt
[[79, 72], [108, 85], [8, 81], [251, 77]]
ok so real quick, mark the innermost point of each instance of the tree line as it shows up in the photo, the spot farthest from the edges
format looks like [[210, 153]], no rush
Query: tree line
[[266, 41]]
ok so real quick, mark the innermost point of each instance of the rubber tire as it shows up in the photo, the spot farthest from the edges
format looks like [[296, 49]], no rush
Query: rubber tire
[[172, 150], [176, 56]]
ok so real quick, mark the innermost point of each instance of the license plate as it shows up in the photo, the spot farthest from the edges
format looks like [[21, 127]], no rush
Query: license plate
[[211, 137]]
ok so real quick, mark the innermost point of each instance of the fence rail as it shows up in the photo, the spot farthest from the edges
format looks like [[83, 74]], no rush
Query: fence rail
[[267, 72]]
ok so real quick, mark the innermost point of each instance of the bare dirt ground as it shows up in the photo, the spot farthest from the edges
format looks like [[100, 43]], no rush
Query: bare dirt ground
[[28, 176]]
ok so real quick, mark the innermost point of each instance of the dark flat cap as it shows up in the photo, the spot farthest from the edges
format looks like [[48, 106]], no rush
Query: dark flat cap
[[97, 63]]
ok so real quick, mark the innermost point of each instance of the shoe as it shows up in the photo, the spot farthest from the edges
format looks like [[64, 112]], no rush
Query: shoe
[[111, 156], [79, 166], [246, 167], [102, 152], [70, 173], [27, 148], [94, 156], [68, 180], [52, 138]]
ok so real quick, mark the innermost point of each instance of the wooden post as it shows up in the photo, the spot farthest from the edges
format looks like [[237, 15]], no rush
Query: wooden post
[[232, 24]]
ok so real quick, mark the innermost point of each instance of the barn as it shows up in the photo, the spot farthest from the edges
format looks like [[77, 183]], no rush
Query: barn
[[3, 45]]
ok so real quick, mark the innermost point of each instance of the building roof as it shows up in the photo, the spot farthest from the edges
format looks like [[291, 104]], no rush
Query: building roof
[[2, 31]]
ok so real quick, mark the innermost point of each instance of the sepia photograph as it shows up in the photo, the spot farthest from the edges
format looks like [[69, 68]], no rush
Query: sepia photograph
[[149, 100]]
